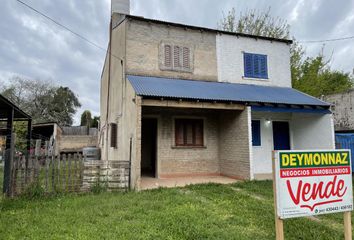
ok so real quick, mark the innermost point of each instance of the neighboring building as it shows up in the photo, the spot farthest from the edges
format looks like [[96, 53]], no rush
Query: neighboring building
[[343, 112], [180, 100], [67, 139]]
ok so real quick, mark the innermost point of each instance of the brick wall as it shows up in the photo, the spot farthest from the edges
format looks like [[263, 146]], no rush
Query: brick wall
[[143, 47], [187, 161], [234, 149], [76, 142], [342, 110]]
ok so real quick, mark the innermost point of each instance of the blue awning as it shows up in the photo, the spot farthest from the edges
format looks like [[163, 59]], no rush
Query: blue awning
[[290, 110], [157, 87]]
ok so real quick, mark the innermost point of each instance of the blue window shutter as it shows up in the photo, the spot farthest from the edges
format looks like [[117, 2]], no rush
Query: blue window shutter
[[255, 65], [256, 133], [263, 67], [256, 69], [248, 64]]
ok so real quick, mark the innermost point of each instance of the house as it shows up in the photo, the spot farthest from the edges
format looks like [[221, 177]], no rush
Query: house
[[343, 112], [179, 100]]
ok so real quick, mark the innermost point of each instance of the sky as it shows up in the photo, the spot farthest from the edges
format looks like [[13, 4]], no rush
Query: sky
[[33, 47]]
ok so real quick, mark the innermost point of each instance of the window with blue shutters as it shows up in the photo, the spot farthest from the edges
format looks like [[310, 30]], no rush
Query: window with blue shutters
[[256, 132], [255, 65]]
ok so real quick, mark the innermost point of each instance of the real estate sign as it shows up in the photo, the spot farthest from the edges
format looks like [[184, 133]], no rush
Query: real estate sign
[[313, 182]]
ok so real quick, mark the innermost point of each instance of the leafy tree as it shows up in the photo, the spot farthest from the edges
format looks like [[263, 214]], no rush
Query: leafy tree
[[317, 79], [86, 119], [41, 100], [95, 122], [63, 106], [311, 75]]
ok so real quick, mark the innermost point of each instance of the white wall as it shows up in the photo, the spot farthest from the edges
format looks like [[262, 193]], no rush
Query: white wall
[[312, 131], [230, 60], [307, 131], [262, 155]]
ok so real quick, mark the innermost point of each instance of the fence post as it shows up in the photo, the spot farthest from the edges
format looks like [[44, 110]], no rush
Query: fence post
[[69, 172], [46, 172], [64, 169]]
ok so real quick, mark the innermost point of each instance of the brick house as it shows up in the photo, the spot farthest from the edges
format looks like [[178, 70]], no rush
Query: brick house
[[180, 100]]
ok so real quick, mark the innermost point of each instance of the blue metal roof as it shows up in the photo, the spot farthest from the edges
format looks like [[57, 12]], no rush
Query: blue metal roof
[[217, 91]]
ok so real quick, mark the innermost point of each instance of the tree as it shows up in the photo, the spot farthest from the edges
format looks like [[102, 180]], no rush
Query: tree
[[41, 100], [63, 106], [95, 121], [255, 23], [86, 119], [316, 78], [311, 75]]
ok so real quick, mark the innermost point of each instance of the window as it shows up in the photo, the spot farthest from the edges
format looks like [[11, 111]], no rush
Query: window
[[255, 65], [168, 56], [114, 133], [256, 133], [176, 58], [189, 132]]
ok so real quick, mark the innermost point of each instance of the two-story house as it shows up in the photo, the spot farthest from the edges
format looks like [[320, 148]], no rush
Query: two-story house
[[179, 100]]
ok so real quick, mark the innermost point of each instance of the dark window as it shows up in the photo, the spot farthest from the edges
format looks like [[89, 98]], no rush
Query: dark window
[[189, 132], [114, 133], [256, 133], [255, 65]]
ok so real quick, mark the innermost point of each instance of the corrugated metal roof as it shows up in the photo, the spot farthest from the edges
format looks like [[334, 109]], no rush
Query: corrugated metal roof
[[217, 91]]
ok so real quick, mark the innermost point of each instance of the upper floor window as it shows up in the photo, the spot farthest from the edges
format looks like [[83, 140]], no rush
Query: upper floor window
[[255, 65], [176, 58]]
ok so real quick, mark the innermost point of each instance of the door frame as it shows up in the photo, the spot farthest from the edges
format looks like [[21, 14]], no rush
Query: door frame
[[290, 133], [157, 165]]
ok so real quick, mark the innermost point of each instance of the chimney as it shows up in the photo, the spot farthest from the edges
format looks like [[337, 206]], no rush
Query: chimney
[[120, 6]]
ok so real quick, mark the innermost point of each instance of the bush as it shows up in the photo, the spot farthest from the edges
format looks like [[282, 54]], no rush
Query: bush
[[99, 187], [34, 190]]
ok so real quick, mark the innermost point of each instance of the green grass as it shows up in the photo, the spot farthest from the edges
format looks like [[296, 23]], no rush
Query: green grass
[[237, 211], [1, 179]]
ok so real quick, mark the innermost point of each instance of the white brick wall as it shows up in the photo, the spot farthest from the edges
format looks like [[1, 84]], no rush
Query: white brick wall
[[230, 60]]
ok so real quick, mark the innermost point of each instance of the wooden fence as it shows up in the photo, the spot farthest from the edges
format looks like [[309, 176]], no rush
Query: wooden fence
[[66, 173], [50, 174]]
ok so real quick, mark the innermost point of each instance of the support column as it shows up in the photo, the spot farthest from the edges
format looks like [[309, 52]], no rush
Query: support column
[[29, 137], [8, 153]]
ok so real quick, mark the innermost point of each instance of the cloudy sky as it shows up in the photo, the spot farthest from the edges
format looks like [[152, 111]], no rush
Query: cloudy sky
[[34, 47]]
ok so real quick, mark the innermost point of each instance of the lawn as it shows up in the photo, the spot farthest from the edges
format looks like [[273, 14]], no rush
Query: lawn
[[1, 178], [238, 211]]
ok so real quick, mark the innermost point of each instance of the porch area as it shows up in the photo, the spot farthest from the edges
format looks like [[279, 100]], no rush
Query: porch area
[[184, 145], [274, 129]]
